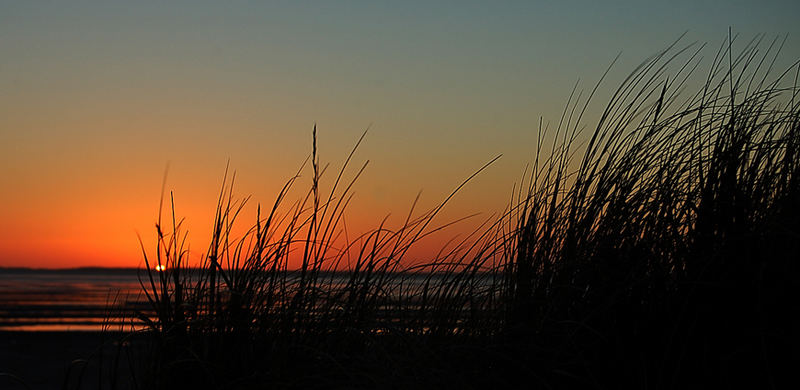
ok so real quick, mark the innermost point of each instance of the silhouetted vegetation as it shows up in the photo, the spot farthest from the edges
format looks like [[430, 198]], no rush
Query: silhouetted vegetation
[[655, 249], [665, 259]]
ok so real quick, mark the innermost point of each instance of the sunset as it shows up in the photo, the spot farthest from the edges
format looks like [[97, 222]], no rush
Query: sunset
[[398, 195]]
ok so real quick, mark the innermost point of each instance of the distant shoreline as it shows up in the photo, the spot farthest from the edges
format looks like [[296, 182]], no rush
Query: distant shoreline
[[129, 270], [70, 270]]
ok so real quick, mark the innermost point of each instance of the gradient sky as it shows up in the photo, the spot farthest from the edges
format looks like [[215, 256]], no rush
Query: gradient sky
[[96, 98]]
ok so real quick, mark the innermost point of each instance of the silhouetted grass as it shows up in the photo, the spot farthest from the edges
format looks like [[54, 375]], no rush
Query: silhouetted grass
[[664, 259], [655, 249], [248, 316]]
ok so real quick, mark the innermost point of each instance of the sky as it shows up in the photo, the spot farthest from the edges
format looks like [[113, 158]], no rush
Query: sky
[[97, 98]]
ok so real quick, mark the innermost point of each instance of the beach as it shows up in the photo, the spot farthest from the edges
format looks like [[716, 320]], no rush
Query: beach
[[49, 360], [52, 322]]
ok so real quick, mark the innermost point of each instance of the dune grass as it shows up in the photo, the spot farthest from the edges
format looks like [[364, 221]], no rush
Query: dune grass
[[664, 258], [655, 248], [248, 315]]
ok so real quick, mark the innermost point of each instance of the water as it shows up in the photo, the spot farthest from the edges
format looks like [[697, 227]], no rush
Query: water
[[111, 299], [69, 300]]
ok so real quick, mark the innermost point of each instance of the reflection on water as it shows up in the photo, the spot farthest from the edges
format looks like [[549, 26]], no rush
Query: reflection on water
[[74, 300], [110, 299]]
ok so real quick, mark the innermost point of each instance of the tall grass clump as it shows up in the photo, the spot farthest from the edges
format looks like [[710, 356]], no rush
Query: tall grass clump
[[654, 248], [295, 302], [660, 253]]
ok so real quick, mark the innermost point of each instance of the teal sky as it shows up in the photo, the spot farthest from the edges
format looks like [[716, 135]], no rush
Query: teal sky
[[97, 97]]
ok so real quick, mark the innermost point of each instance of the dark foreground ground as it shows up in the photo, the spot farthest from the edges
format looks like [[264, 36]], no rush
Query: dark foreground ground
[[58, 360]]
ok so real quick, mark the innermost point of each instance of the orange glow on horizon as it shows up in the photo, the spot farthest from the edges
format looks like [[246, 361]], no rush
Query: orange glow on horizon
[[101, 230]]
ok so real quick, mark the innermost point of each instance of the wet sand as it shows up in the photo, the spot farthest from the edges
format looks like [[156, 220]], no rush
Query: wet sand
[[68, 300]]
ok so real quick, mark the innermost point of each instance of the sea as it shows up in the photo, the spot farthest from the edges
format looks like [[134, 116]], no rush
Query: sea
[[105, 299], [85, 299]]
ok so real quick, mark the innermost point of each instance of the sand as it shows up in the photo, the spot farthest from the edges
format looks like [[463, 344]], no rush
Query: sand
[[51, 360]]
